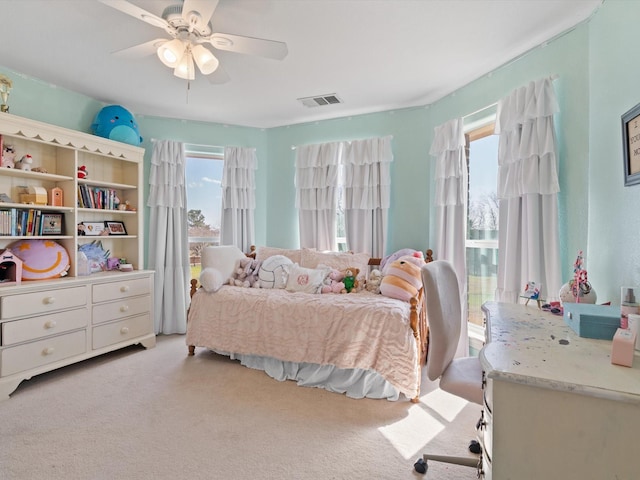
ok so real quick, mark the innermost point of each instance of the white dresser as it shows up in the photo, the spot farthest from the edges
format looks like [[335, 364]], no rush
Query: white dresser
[[555, 406], [49, 324]]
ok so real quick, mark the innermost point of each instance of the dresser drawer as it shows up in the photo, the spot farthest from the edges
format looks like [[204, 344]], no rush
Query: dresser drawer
[[36, 354], [104, 292], [116, 332], [34, 328], [25, 304], [127, 307]]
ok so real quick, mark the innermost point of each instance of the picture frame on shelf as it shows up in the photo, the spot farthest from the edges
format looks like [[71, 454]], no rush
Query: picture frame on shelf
[[115, 227], [52, 223], [631, 146], [92, 229]]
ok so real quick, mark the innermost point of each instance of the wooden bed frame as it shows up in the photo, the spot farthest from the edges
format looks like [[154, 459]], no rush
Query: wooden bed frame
[[417, 314]]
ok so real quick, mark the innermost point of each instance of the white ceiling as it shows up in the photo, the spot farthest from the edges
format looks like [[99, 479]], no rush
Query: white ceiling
[[374, 54]]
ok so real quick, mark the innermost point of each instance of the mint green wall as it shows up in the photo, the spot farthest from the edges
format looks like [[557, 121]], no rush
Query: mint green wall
[[597, 82], [614, 217]]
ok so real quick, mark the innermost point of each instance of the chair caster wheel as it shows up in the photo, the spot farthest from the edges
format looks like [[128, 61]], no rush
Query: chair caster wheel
[[420, 466], [474, 447]]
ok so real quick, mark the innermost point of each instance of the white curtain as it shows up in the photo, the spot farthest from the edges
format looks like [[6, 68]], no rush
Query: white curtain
[[238, 197], [169, 244], [316, 180], [451, 208], [528, 192], [367, 186]]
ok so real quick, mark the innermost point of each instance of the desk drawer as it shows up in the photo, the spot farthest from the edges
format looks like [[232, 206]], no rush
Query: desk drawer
[[112, 333], [36, 354], [104, 292], [127, 307], [34, 328], [45, 301]]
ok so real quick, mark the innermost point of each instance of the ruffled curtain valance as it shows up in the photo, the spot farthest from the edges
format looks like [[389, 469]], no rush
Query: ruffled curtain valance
[[166, 178], [317, 176], [527, 158], [367, 179], [451, 164], [238, 178]]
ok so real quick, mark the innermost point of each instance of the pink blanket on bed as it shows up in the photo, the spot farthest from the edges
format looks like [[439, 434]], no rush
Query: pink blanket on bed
[[359, 330]]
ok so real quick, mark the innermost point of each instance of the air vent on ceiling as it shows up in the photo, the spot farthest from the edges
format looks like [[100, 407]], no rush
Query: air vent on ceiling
[[320, 100]]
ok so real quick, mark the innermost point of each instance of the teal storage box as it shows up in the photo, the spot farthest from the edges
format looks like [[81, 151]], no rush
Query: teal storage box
[[592, 321]]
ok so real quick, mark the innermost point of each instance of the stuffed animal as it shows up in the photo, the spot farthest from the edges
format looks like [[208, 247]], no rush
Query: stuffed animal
[[246, 274], [402, 278], [396, 255], [8, 156], [82, 172], [24, 163], [373, 282], [350, 280], [116, 123], [333, 282]]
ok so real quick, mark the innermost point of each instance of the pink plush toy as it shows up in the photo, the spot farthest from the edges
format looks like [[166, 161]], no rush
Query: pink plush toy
[[333, 282], [246, 275]]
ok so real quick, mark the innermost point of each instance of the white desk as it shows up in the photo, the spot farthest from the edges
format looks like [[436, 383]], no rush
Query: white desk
[[556, 408]]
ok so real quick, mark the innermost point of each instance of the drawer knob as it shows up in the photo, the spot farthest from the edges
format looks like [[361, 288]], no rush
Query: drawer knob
[[47, 351], [50, 324], [124, 308], [124, 330], [124, 288], [49, 300]]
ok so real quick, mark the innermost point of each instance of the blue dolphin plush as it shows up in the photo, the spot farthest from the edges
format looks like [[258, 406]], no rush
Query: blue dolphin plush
[[116, 123]]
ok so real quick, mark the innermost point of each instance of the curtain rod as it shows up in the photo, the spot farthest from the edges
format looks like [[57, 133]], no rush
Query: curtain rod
[[293, 147], [555, 76], [194, 144]]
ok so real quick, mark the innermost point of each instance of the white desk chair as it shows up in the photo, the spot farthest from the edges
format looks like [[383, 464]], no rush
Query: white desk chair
[[459, 376]]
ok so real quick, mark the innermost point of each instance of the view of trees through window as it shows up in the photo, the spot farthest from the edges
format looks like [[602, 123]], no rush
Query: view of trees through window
[[203, 176], [482, 221]]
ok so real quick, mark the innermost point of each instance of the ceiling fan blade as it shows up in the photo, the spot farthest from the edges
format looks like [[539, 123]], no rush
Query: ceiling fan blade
[[249, 45], [137, 12], [219, 76], [142, 50], [204, 9]]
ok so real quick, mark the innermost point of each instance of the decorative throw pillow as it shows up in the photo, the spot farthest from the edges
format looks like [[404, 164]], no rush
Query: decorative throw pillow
[[274, 272], [337, 260], [262, 253], [223, 258], [309, 280], [211, 279]]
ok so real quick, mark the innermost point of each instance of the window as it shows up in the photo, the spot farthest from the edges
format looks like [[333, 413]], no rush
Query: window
[[482, 221], [203, 176]]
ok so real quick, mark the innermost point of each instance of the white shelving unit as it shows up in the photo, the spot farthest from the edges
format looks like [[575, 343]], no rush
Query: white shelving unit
[[51, 323]]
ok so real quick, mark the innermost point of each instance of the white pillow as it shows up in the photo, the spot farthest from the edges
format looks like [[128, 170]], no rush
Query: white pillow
[[211, 279], [222, 257], [309, 280], [274, 272]]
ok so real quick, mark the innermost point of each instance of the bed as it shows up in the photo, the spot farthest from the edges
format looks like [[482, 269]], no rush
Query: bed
[[364, 345]]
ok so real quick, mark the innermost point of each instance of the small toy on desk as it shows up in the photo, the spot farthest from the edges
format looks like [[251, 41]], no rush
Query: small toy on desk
[[624, 342]]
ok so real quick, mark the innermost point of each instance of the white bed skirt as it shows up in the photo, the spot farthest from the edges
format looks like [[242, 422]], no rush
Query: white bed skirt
[[353, 382]]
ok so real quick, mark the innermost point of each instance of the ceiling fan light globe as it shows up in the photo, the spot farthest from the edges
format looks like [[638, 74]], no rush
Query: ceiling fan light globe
[[185, 69], [170, 53], [206, 61]]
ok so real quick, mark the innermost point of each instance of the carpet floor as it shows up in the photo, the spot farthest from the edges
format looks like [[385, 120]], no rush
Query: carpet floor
[[159, 414]]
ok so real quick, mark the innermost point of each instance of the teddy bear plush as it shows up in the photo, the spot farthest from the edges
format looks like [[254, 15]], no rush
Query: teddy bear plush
[[402, 278], [333, 282], [350, 280], [246, 274], [373, 282]]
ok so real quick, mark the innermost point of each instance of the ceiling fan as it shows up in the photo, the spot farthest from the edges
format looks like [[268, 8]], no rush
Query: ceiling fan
[[189, 26]]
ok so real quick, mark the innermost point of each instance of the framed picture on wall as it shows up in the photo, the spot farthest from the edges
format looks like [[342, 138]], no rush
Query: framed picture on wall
[[631, 146]]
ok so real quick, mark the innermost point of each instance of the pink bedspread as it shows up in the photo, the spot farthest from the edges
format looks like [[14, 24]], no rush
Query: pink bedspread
[[359, 330]]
